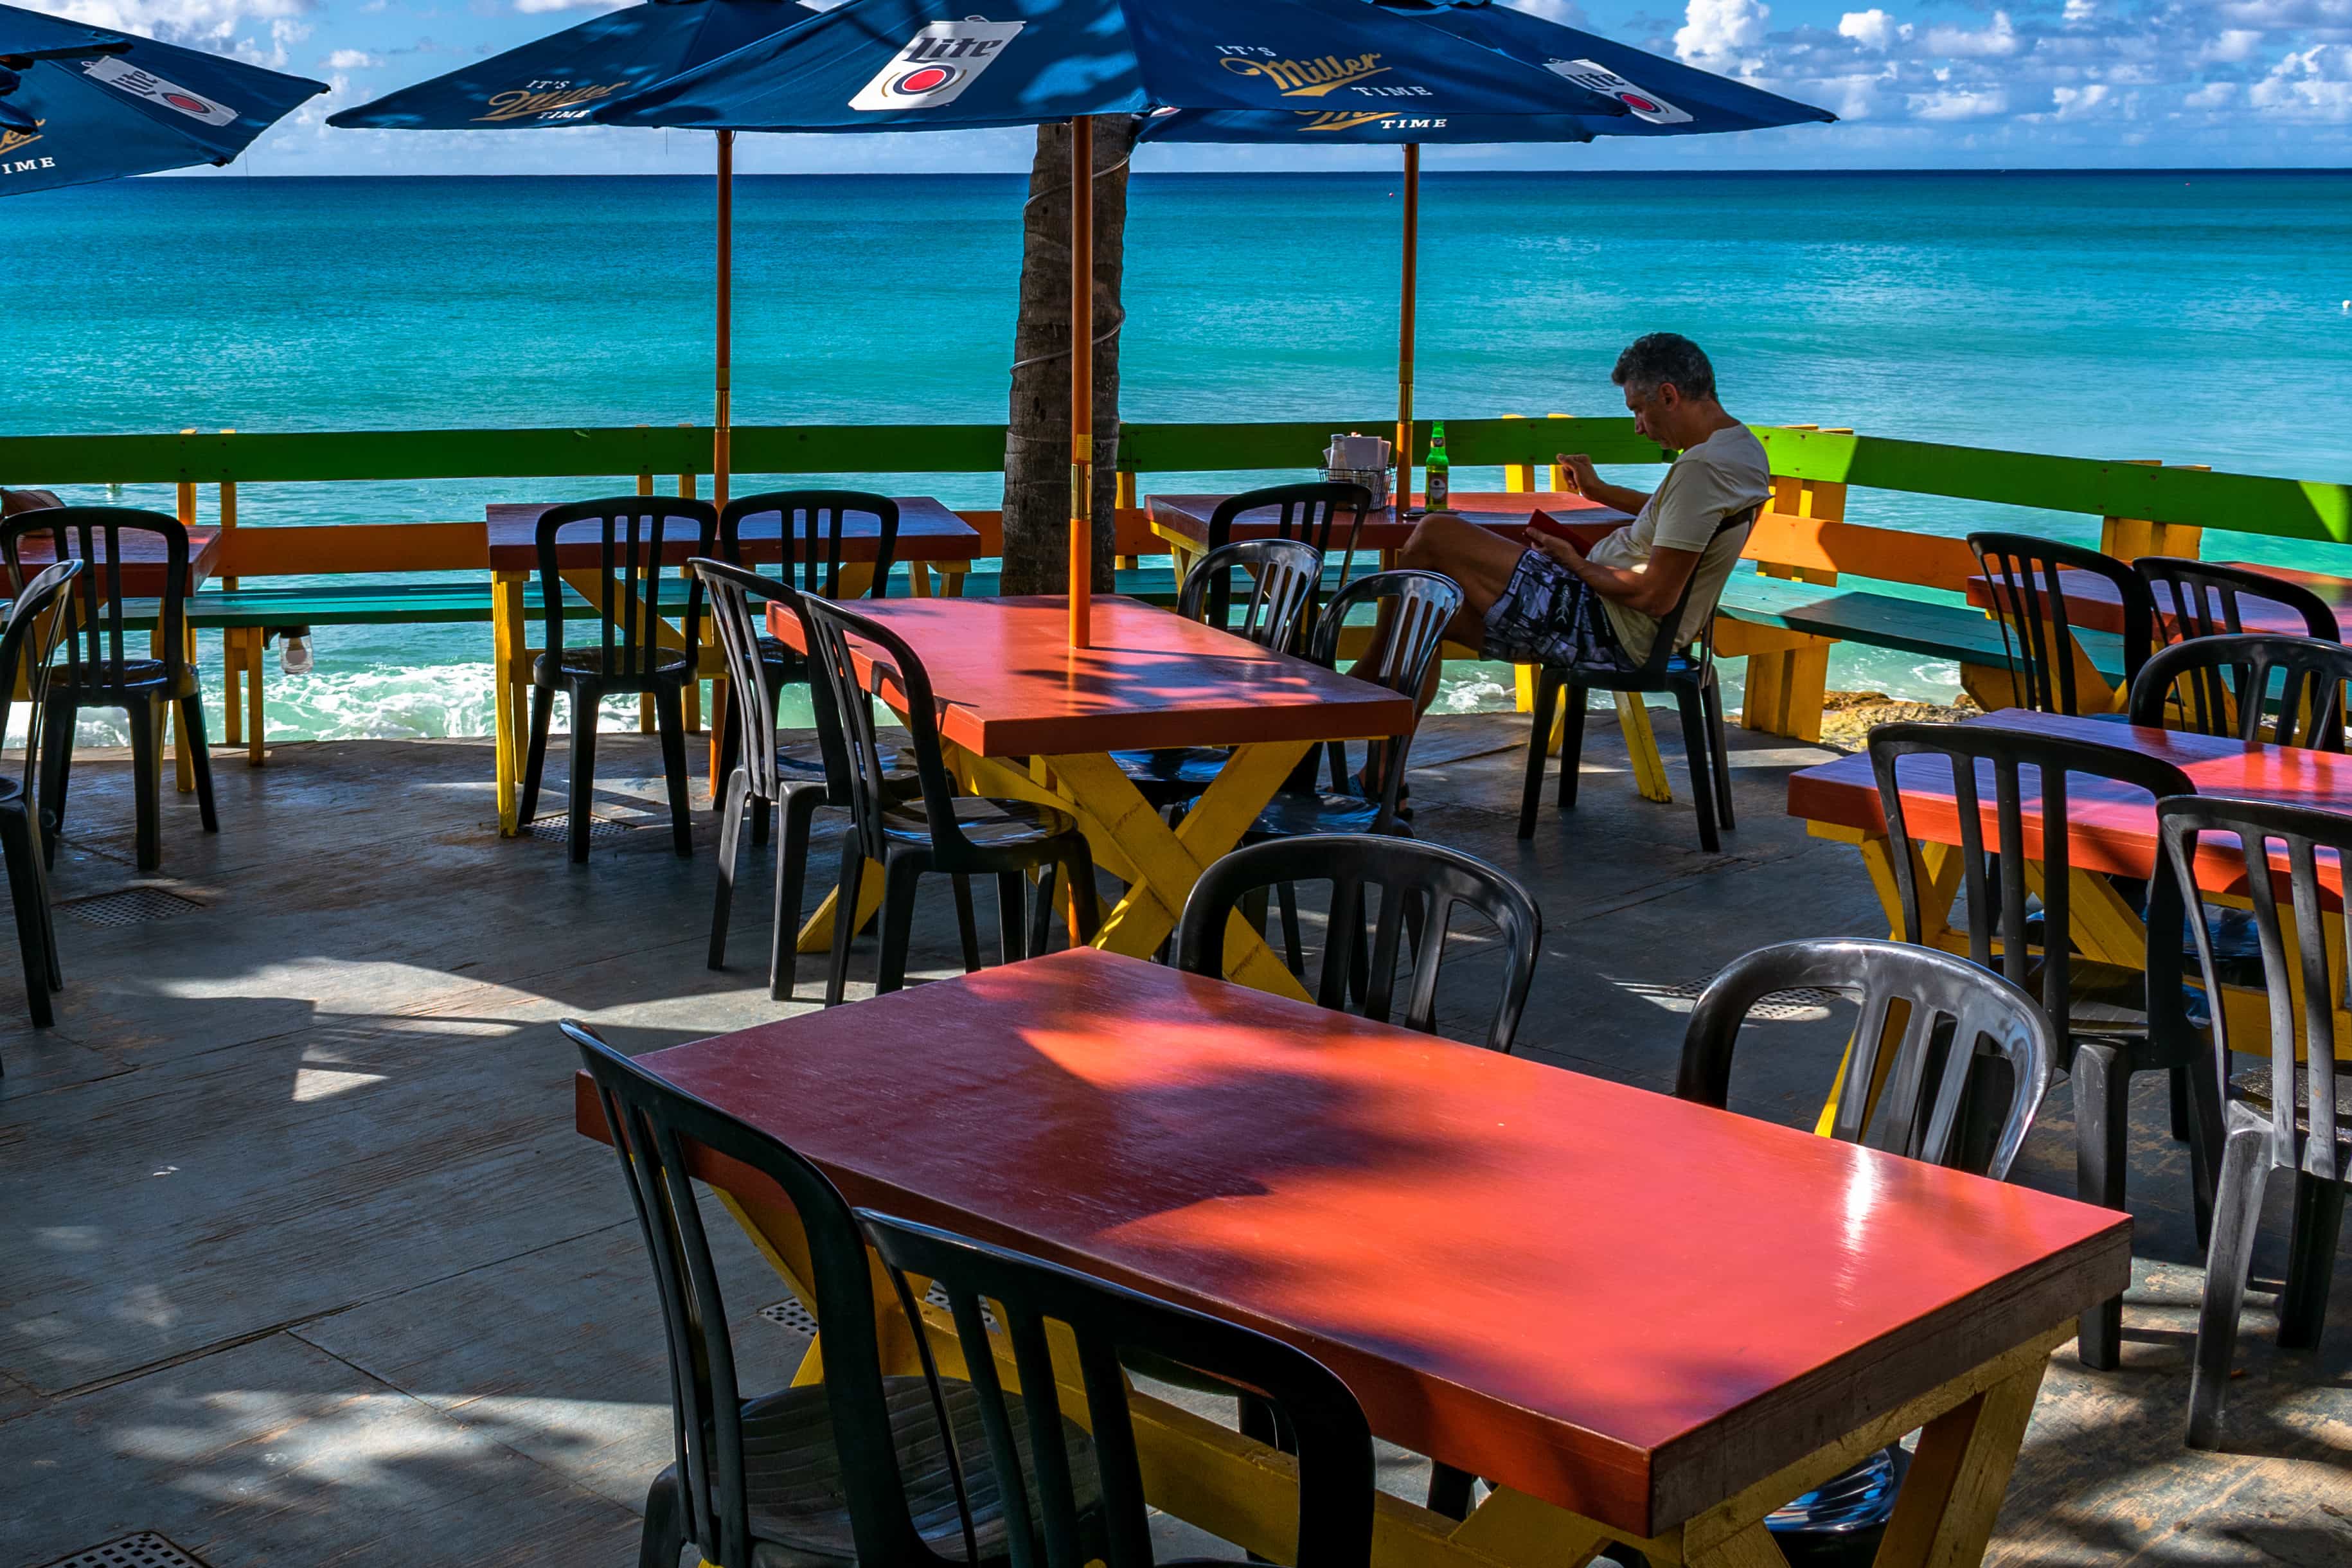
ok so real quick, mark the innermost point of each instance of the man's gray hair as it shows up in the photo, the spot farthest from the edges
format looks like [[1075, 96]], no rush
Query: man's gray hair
[[1657, 358]]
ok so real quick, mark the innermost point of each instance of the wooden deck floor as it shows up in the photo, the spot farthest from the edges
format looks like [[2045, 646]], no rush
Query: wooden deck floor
[[304, 1262]]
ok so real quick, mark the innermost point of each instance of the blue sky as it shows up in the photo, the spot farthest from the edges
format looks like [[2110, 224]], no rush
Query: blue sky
[[1920, 83]]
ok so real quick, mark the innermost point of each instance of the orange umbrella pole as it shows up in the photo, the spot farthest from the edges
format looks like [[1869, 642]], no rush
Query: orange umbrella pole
[[721, 434], [1081, 381], [1403, 454]]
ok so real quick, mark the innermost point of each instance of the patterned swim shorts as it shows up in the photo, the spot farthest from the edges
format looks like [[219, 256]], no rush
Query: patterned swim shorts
[[1547, 615]]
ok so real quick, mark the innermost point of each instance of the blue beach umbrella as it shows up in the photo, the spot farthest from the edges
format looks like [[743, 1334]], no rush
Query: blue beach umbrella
[[560, 80], [899, 65], [1655, 97], [82, 105]]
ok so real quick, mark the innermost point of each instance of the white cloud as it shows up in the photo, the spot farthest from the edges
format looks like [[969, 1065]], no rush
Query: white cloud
[[351, 60], [1958, 105], [2079, 11], [2212, 94], [1723, 35], [1873, 29], [2077, 102], [1988, 43], [2311, 84]]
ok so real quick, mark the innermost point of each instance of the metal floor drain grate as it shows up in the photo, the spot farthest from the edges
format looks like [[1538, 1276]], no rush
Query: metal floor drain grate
[[128, 906], [558, 829], [144, 1549], [1803, 1003], [790, 1314]]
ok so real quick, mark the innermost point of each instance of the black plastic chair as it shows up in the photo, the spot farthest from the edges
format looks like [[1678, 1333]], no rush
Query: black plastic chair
[[812, 530], [102, 671], [1310, 513], [1414, 607], [1280, 576], [1687, 672], [2229, 684], [799, 777], [2036, 625], [1110, 1324], [960, 835], [1420, 887], [1956, 1017], [629, 656], [2204, 598], [818, 1477], [2099, 1011], [2287, 1119], [36, 625]]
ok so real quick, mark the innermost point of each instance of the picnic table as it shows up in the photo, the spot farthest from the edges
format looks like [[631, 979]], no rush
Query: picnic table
[[933, 542], [1183, 521], [1022, 715], [2113, 831], [143, 559], [1641, 1320]]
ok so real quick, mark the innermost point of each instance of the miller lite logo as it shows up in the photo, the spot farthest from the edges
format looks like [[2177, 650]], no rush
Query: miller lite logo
[[1597, 77], [124, 76], [12, 140], [936, 65], [554, 102], [1353, 120], [1306, 78]]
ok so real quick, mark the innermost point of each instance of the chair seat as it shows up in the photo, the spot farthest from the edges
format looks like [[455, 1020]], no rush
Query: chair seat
[[803, 762], [990, 824], [576, 662], [799, 1510], [2250, 1106], [1172, 775], [1681, 669], [1286, 815], [91, 682], [2110, 1000]]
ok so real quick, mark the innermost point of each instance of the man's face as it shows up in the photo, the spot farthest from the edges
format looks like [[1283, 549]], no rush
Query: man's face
[[1653, 411]]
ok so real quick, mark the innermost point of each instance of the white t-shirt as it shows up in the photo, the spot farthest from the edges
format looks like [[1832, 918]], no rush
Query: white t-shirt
[[1726, 473]]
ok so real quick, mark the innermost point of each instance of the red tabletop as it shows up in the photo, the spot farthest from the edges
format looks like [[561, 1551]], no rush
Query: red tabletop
[[1503, 512], [928, 530], [143, 560], [1624, 1304], [1009, 684], [2113, 826], [2093, 602]]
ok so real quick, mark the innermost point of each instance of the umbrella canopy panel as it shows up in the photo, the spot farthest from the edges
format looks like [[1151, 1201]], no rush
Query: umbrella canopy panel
[[33, 35]]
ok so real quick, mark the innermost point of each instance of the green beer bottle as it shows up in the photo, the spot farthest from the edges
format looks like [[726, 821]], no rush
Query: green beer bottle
[[1438, 487]]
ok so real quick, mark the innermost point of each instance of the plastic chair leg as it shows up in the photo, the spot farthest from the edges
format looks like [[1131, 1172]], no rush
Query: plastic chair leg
[[798, 810], [1572, 743], [2310, 1260], [582, 764], [1294, 953], [730, 839], [900, 874], [200, 758], [39, 864], [844, 916], [1718, 746], [1539, 748], [2237, 1210], [967, 928], [1012, 916], [664, 1537], [1696, 749], [24, 894], [670, 717], [146, 781], [534, 768], [1078, 862], [57, 769], [2101, 1124]]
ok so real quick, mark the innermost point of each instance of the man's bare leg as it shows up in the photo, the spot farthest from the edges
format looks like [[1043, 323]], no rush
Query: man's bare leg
[[1477, 559]]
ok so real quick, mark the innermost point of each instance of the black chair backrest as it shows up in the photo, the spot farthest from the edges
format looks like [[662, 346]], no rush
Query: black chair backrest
[[630, 534], [655, 1126], [2036, 627], [1910, 1102], [95, 650], [833, 663], [1418, 606], [1420, 887], [1308, 512], [2226, 684], [2201, 598], [2305, 1117], [1667, 643], [1280, 576], [2002, 914], [1331, 1446], [37, 624], [733, 590], [814, 525]]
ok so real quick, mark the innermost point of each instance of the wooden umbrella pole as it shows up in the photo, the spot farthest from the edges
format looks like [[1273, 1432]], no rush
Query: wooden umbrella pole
[[722, 435], [1403, 498], [1082, 380]]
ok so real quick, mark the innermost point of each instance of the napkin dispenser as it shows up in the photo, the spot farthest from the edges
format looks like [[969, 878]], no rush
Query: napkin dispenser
[[1358, 459]]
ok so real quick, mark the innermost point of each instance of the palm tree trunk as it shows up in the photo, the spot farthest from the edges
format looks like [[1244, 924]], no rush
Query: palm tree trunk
[[1037, 444]]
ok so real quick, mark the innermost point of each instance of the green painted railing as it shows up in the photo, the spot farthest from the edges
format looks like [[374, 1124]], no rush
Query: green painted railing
[[2244, 503]]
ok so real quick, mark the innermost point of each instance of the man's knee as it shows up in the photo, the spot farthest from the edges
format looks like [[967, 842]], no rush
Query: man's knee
[[1434, 543]]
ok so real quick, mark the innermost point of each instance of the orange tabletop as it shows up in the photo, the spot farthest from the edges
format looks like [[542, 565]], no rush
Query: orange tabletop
[[1503, 511], [928, 530], [2092, 602], [1009, 684], [1622, 1304], [2114, 828], [143, 560]]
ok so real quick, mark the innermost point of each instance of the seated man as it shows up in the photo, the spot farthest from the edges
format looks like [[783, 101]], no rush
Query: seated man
[[1554, 604]]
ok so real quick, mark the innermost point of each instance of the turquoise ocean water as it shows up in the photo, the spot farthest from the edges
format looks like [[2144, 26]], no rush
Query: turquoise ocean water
[[2195, 317]]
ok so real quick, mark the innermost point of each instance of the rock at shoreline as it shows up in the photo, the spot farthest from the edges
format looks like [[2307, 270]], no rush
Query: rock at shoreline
[[1847, 716]]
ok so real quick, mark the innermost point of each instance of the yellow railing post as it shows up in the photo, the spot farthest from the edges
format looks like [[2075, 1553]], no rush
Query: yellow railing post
[[2129, 538]]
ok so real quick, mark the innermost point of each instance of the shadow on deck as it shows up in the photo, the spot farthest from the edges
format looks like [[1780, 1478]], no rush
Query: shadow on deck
[[305, 1261]]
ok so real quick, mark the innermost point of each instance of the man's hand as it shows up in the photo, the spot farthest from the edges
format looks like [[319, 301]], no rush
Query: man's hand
[[1560, 549], [1581, 474]]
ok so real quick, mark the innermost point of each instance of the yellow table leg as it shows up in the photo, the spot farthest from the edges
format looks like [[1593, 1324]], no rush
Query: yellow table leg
[[233, 686], [1641, 748], [506, 691], [951, 575]]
